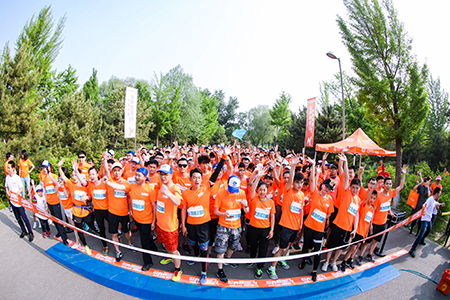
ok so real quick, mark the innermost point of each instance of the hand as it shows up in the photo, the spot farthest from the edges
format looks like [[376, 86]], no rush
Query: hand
[[61, 163], [244, 203], [295, 160], [324, 157], [404, 168], [153, 226], [353, 234], [227, 150], [184, 230], [74, 164], [219, 152], [361, 169], [195, 148], [270, 235], [105, 179], [164, 189], [342, 157]]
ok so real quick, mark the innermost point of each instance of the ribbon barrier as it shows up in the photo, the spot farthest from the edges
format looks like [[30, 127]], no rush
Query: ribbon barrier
[[26, 204]]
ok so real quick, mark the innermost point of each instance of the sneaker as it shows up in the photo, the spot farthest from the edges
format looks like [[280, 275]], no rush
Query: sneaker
[[412, 253], [75, 246], [308, 261], [22, 235], [190, 262], [222, 277], [272, 274], [65, 243], [324, 267], [44, 234], [359, 262], [34, 225], [284, 264], [314, 276], [132, 245], [105, 251], [334, 267], [146, 267], [165, 261], [234, 266], [39, 225], [163, 248], [239, 248], [275, 250], [422, 243], [249, 266], [30, 237], [88, 250], [203, 279], [119, 256], [369, 258], [58, 235], [302, 265], [10, 209], [258, 273], [343, 266], [48, 233], [187, 249], [177, 275], [349, 263]]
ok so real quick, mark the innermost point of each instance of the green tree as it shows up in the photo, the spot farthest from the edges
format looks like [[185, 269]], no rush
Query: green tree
[[297, 128], [65, 83], [91, 89], [210, 115], [280, 115], [227, 113], [259, 131], [390, 82], [328, 125]]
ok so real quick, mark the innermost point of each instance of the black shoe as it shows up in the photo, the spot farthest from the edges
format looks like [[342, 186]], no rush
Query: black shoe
[[359, 262], [30, 237], [422, 243], [350, 263], [69, 230], [146, 267], [234, 266], [314, 276], [302, 265], [343, 266], [222, 277], [296, 246], [369, 258], [58, 235], [65, 243], [187, 249], [119, 256], [308, 261], [22, 235]]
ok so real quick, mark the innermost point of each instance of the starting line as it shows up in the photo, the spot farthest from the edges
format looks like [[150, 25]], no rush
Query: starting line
[[128, 278]]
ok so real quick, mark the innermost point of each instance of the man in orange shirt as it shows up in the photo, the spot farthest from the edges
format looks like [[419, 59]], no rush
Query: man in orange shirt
[[9, 157], [129, 174], [437, 183], [228, 207], [153, 178], [167, 202], [24, 173]]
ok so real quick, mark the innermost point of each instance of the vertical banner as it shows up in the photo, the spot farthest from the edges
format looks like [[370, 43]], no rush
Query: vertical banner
[[131, 95], [310, 120]]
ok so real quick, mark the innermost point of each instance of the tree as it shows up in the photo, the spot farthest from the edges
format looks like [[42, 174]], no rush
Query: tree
[[297, 128], [390, 82], [65, 83], [91, 89], [227, 112], [328, 125], [210, 115], [280, 115], [259, 131]]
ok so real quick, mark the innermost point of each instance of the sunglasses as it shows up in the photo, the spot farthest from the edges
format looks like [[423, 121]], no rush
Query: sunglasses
[[182, 166], [81, 156]]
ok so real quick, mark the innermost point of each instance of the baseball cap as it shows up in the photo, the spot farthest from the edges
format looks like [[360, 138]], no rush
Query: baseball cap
[[439, 177], [111, 152], [39, 188], [130, 152], [116, 164], [135, 160], [166, 169], [234, 184], [144, 171], [334, 166], [45, 163], [329, 183]]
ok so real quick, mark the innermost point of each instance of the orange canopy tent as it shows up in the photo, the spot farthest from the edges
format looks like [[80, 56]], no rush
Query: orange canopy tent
[[357, 143]]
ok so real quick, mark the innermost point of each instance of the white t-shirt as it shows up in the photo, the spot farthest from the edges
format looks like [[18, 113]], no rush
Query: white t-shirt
[[40, 203], [14, 184], [431, 204]]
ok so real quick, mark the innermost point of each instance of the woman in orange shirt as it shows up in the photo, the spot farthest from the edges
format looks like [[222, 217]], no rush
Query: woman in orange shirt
[[24, 173]]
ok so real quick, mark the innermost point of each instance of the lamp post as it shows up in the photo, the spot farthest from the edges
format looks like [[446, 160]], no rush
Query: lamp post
[[331, 55]]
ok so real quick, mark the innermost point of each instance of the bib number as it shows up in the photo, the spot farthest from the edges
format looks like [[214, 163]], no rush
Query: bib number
[[196, 211], [318, 215]]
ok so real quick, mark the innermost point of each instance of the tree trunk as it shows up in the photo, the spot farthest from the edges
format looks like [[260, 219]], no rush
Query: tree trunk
[[157, 146]]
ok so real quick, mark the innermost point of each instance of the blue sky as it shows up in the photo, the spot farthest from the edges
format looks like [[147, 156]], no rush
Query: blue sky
[[250, 49]]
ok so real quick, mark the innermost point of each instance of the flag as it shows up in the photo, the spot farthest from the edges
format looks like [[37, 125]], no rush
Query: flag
[[239, 133], [310, 120], [131, 95]]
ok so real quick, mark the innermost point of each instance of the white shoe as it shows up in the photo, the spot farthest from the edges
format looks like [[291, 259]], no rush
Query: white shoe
[[334, 267], [39, 223], [325, 266], [76, 246], [239, 247], [275, 250], [34, 225]]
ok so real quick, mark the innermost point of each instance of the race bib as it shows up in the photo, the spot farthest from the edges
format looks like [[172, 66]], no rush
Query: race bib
[[160, 207], [62, 196], [50, 189], [99, 194], [138, 205], [353, 209], [261, 214], [235, 214], [120, 194], [270, 196], [368, 216], [196, 211], [318, 215], [77, 195], [385, 206], [295, 207], [281, 198]]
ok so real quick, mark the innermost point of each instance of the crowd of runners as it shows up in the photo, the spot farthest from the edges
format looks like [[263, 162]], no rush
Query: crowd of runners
[[207, 195]]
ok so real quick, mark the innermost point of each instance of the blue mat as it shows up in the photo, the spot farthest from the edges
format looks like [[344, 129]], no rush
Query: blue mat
[[147, 287]]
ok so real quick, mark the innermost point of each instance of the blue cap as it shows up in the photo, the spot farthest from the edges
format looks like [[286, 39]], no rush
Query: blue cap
[[130, 152], [166, 169], [144, 171], [234, 184], [45, 163]]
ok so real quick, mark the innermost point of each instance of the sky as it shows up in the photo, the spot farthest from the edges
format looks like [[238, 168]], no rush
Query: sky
[[252, 50]]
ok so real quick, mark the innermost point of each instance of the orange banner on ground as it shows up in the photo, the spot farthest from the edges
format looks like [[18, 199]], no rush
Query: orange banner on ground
[[310, 123]]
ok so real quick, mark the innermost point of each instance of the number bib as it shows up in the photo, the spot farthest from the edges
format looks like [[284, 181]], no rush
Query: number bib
[[318, 215], [131, 179], [261, 214], [196, 211], [235, 214], [77, 195], [385, 206], [50, 189], [99, 194], [138, 205], [295, 207], [160, 207], [368, 216], [353, 209], [120, 194]]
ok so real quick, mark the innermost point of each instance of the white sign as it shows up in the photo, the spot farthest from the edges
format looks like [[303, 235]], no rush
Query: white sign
[[131, 95]]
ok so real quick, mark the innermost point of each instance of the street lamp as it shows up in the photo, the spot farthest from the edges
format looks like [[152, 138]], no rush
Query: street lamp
[[331, 55]]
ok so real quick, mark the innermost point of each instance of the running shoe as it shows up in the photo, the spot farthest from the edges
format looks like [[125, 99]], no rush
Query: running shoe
[[48, 233], [34, 225], [30, 237], [239, 248], [369, 258], [272, 274], [105, 251], [146, 267], [234, 266], [343, 266], [22, 234], [258, 273], [187, 249], [203, 279], [314, 276], [76, 246], [284, 264], [249, 265], [324, 267], [132, 245], [412, 253], [44, 234], [88, 250], [349, 263], [177, 275], [334, 267], [165, 261], [221, 275], [119, 256], [359, 262], [190, 262]]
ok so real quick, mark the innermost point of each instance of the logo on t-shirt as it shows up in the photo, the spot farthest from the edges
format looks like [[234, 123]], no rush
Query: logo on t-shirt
[[368, 216], [262, 214]]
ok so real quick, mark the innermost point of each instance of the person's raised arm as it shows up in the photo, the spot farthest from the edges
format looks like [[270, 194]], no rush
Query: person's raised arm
[[314, 176], [223, 157], [165, 191], [343, 162], [402, 183], [61, 173], [295, 161], [259, 173], [324, 158], [361, 171], [75, 169]]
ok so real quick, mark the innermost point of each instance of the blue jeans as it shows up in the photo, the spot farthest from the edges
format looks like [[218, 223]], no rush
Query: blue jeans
[[26, 180], [424, 230], [22, 219]]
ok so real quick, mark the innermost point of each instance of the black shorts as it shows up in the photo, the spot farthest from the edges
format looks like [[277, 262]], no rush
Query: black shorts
[[114, 220], [333, 216], [87, 219], [212, 230], [377, 229], [198, 234], [357, 238], [287, 236], [338, 237]]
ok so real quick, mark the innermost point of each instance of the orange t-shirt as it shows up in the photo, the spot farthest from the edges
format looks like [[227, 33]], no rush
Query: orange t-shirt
[[337, 203], [155, 181], [98, 193], [307, 202], [260, 212], [291, 210], [206, 177], [334, 192], [435, 185], [320, 208], [197, 205], [6, 168], [365, 216], [218, 186], [383, 205], [231, 203], [50, 190], [117, 200], [84, 168], [183, 183], [76, 195], [66, 202], [348, 208], [129, 176], [142, 198], [166, 211], [363, 194], [24, 166], [279, 194]]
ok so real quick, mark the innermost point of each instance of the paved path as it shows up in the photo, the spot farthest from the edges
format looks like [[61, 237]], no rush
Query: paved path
[[28, 273]]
